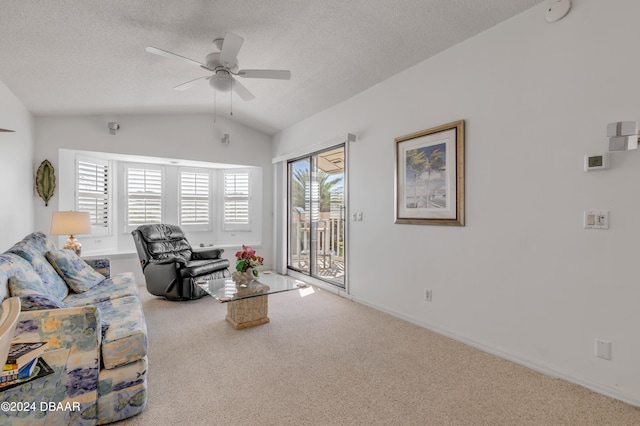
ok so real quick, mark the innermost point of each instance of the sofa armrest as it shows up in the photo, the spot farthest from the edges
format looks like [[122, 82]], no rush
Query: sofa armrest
[[100, 265], [77, 329], [206, 253]]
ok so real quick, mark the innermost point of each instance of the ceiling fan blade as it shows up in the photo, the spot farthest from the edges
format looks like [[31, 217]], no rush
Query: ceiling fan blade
[[191, 83], [242, 91], [170, 55], [274, 74], [230, 48]]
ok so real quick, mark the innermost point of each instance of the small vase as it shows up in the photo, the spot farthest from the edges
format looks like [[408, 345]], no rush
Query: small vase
[[242, 278]]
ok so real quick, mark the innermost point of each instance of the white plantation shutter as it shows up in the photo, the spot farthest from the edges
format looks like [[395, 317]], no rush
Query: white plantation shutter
[[144, 195], [236, 201], [194, 198], [92, 192]]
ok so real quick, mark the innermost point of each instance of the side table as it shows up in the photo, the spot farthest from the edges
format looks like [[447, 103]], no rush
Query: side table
[[250, 311]]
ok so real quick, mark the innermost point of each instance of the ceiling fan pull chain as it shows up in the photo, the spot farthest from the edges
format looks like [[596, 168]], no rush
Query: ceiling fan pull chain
[[214, 106]]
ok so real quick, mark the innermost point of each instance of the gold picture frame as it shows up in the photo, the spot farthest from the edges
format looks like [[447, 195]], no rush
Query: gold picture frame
[[429, 187]]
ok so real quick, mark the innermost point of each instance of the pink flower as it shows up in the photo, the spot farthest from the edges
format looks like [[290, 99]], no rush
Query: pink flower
[[247, 258], [250, 252]]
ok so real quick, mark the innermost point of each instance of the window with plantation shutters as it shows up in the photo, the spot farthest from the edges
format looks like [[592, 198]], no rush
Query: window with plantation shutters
[[144, 195], [236, 201], [216, 203], [92, 192], [194, 199]]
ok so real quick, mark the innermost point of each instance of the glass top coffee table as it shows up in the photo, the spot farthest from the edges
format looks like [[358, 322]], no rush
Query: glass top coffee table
[[247, 305]]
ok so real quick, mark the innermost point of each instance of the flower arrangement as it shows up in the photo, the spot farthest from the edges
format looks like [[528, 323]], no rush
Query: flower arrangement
[[247, 258]]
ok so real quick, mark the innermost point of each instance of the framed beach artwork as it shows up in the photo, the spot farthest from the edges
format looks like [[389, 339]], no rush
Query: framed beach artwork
[[430, 176]]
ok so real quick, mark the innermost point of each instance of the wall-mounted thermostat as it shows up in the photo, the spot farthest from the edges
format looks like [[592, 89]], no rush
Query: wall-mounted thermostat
[[596, 162]]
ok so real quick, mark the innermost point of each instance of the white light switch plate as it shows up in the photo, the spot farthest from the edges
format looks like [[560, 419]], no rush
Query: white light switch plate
[[596, 220]]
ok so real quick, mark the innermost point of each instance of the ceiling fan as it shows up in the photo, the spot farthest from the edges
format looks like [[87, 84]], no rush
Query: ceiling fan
[[224, 66]]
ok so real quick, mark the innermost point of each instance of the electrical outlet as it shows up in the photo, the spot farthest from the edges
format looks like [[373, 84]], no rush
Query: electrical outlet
[[427, 295], [603, 349]]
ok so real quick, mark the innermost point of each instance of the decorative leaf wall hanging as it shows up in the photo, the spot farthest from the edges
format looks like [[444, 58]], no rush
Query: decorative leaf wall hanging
[[45, 181]]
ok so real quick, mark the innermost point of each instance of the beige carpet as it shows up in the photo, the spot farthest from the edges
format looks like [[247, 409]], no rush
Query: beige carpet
[[324, 360]]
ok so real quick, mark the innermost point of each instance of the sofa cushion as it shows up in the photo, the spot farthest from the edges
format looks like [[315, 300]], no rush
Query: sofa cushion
[[8, 266], [76, 272], [120, 285], [26, 284], [124, 331], [122, 392], [40, 242], [101, 265], [34, 302], [29, 249]]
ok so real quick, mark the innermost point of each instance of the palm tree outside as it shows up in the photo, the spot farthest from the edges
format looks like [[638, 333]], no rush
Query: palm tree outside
[[429, 160], [302, 187]]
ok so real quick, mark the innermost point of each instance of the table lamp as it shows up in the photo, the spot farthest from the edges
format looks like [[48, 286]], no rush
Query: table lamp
[[70, 223]]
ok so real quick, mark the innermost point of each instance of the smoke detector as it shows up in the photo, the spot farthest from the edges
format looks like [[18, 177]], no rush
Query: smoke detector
[[557, 10]]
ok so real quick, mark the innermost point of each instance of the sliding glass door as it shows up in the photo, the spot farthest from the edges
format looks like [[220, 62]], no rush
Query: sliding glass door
[[316, 219]]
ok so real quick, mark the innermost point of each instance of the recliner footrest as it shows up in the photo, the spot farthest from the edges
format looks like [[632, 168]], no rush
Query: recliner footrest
[[195, 268]]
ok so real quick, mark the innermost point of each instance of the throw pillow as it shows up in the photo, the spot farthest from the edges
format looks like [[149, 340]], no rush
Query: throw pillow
[[74, 271], [28, 286], [55, 285]]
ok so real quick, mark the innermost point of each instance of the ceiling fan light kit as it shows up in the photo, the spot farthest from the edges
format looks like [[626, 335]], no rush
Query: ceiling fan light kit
[[221, 81]]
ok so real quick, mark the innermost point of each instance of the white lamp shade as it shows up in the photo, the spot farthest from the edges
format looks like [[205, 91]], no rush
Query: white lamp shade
[[70, 223]]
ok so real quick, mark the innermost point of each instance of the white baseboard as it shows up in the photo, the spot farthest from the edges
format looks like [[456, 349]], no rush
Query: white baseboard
[[543, 368]]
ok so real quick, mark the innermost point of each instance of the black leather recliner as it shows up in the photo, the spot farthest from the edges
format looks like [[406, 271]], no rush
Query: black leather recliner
[[171, 266]]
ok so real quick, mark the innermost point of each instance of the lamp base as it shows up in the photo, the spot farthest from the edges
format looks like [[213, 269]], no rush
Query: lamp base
[[73, 245]]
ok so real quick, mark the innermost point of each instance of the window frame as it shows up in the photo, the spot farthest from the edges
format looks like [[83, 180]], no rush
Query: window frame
[[127, 166], [109, 166], [236, 227], [211, 194]]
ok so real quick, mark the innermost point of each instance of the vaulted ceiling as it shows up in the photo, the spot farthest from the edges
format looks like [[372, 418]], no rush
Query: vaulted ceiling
[[88, 57]]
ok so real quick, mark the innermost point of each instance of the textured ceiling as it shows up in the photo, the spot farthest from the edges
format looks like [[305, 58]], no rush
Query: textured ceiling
[[88, 56]]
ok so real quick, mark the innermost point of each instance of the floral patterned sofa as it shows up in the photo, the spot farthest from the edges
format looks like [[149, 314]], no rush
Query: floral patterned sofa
[[95, 320]]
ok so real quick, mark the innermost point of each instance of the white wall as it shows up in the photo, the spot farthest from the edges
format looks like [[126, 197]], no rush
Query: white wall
[[522, 278], [17, 170], [188, 137]]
